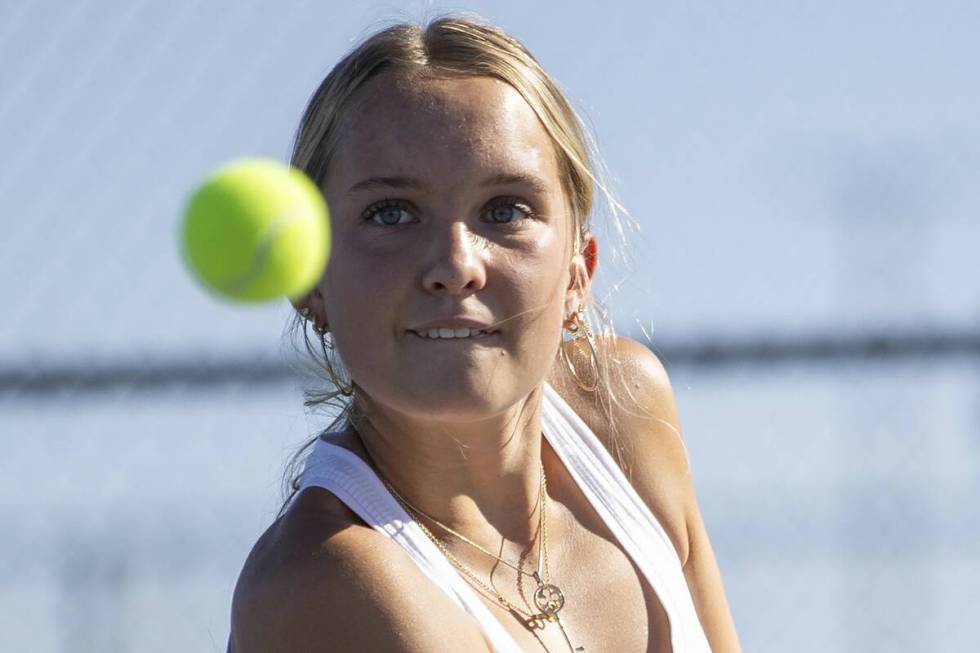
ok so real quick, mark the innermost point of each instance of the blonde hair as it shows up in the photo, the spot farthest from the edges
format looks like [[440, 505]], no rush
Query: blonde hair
[[450, 46]]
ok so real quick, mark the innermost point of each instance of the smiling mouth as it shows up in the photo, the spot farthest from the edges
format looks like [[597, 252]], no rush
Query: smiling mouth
[[453, 334]]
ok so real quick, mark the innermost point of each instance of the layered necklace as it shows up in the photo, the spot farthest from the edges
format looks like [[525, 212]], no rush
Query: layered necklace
[[548, 599]]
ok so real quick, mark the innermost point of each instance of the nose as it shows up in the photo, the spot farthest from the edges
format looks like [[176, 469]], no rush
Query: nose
[[456, 266]]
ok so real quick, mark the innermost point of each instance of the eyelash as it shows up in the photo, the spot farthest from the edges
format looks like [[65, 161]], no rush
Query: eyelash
[[374, 209]]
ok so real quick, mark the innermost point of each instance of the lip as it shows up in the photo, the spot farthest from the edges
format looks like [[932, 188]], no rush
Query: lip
[[454, 323]]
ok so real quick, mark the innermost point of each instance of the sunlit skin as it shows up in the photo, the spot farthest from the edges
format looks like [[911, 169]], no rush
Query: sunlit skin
[[454, 425]]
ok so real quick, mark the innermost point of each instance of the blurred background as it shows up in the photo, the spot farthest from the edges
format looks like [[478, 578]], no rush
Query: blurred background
[[805, 175]]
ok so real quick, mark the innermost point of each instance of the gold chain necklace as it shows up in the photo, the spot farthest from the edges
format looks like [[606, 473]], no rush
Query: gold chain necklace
[[518, 569], [548, 598]]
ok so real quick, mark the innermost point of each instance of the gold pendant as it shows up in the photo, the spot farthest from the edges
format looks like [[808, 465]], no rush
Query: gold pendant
[[549, 599]]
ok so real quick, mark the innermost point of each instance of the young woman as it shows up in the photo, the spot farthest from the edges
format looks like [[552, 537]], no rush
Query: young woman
[[503, 476]]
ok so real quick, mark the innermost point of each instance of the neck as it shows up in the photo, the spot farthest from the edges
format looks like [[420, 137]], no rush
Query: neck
[[479, 478]]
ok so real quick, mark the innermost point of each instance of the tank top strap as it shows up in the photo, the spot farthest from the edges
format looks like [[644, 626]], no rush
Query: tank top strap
[[351, 480], [627, 516]]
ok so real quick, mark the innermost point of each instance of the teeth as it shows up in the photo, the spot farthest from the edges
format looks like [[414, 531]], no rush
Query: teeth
[[452, 333]]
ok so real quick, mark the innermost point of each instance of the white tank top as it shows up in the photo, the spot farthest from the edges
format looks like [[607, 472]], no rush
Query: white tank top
[[598, 476]]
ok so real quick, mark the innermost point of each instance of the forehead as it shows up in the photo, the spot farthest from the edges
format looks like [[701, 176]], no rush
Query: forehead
[[442, 127]]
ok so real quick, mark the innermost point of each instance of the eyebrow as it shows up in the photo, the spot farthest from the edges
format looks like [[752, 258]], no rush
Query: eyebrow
[[502, 179]]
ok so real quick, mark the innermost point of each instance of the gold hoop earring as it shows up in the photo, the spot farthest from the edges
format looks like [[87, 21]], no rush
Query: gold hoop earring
[[578, 324], [305, 314]]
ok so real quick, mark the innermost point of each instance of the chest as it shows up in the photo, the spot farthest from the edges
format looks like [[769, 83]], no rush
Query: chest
[[609, 606]]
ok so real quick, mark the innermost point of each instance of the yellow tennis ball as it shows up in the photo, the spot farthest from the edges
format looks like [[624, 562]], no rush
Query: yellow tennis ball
[[257, 230]]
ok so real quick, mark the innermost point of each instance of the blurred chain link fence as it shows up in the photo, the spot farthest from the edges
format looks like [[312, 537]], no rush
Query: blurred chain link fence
[[144, 427]]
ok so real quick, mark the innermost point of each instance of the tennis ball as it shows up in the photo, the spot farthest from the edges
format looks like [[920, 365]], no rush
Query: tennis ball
[[257, 230]]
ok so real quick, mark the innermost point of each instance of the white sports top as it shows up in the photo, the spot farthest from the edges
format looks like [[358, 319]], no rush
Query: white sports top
[[349, 478]]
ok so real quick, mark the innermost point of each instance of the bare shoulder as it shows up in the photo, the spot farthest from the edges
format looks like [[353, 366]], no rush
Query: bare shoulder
[[636, 418], [649, 434], [320, 580]]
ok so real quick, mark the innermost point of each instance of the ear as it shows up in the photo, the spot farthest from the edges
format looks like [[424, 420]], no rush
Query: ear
[[581, 272], [313, 301]]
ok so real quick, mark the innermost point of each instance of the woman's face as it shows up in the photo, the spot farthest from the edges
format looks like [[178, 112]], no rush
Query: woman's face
[[445, 204]]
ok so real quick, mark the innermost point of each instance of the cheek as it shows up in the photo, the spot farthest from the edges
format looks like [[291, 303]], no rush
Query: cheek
[[540, 270], [535, 283], [358, 265], [358, 293]]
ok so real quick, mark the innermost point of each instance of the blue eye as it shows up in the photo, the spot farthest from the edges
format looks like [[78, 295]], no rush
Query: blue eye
[[506, 211], [388, 211]]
